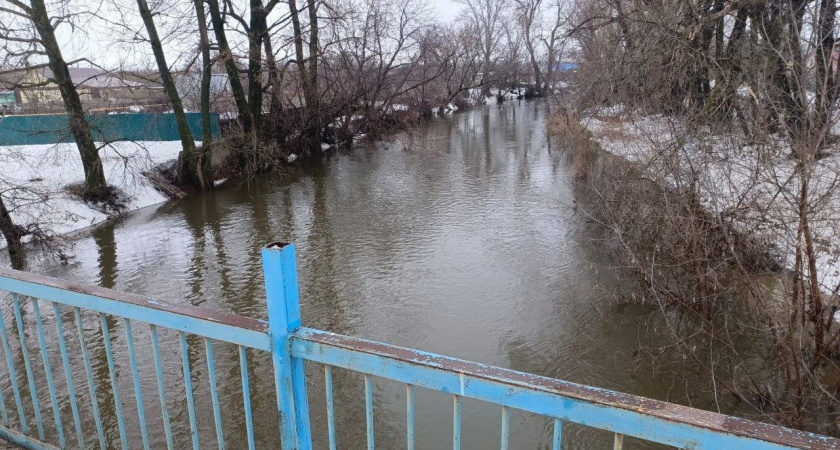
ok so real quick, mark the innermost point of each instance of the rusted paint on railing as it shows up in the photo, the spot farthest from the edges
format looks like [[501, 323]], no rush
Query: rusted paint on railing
[[206, 314], [204, 322]]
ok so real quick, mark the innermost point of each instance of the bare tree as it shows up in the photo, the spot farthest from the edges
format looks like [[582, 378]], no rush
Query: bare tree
[[13, 234], [227, 58], [727, 112], [193, 164], [308, 72], [487, 18], [27, 44], [461, 60], [554, 36], [529, 17], [206, 78]]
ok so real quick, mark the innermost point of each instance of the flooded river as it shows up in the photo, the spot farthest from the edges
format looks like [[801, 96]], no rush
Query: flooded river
[[461, 238]]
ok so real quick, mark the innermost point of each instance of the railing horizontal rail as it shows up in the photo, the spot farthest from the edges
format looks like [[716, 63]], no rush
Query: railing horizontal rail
[[290, 345], [629, 415], [24, 441], [204, 322]]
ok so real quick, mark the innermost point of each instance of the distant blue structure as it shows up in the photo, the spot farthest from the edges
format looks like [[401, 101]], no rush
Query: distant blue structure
[[55, 128], [289, 345], [566, 66]]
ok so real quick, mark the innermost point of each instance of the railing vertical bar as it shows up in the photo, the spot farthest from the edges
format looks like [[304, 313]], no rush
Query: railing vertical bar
[[619, 441], [246, 397], [33, 391], [135, 375], [456, 422], [42, 341], [369, 410], [328, 383], [214, 395], [4, 415], [283, 303], [12, 374], [505, 428], [65, 361], [94, 404], [557, 439], [112, 371], [409, 416], [185, 358], [167, 427]]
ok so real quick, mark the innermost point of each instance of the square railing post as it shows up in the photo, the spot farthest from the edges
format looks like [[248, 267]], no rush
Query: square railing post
[[281, 288]]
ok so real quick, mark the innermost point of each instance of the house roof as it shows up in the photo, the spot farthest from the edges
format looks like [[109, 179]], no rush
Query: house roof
[[10, 80], [95, 78], [148, 78]]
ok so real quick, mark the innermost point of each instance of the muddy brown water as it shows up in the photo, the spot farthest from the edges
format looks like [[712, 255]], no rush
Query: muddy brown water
[[461, 238]]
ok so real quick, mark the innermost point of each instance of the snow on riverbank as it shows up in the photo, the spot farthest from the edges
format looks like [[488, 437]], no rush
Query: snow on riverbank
[[44, 173], [755, 187]]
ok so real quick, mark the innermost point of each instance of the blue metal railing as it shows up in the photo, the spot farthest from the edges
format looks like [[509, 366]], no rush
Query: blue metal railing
[[289, 345]]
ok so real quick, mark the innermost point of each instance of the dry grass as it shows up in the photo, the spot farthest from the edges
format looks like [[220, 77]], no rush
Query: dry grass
[[644, 217], [577, 140]]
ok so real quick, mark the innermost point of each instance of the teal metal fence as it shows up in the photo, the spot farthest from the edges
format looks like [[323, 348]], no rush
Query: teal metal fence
[[55, 128], [290, 346]]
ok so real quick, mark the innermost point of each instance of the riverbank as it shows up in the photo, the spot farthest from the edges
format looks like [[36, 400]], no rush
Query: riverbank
[[711, 227], [38, 183], [752, 186]]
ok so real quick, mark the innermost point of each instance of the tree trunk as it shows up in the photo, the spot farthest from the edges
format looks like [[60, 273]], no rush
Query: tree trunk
[[549, 71], [625, 29], [95, 187], [256, 33], [313, 49], [206, 72], [230, 64], [299, 58], [529, 17], [538, 83], [279, 130], [487, 50], [12, 234], [308, 78], [314, 125], [203, 154], [274, 79], [730, 72], [786, 109], [188, 171], [826, 65]]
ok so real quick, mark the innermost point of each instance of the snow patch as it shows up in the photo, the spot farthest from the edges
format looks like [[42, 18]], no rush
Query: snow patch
[[46, 171], [754, 187]]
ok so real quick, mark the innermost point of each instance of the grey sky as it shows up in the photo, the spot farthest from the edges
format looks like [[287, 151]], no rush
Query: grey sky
[[446, 9], [106, 46]]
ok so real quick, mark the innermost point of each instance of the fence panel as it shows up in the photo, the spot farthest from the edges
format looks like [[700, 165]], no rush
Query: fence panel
[[55, 128]]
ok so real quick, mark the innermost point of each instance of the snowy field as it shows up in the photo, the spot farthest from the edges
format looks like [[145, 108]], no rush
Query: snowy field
[[755, 187], [34, 181]]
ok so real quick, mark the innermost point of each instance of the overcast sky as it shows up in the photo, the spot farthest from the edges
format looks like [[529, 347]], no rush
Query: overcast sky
[[107, 46], [446, 9]]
